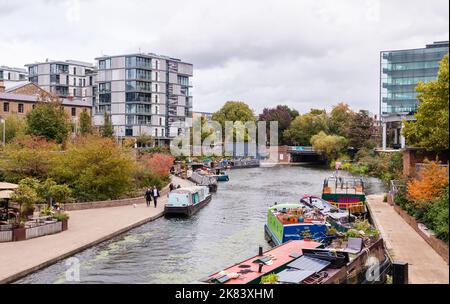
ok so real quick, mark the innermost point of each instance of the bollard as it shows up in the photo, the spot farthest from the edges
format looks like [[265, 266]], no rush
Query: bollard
[[260, 251], [399, 273], [260, 266]]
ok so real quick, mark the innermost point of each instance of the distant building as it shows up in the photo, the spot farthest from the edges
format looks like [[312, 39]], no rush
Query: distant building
[[400, 71], [143, 94], [68, 78], [21, 99], [206, 115], [8, 74]]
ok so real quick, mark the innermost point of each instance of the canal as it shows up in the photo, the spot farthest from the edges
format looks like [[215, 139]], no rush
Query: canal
[[226, 231]]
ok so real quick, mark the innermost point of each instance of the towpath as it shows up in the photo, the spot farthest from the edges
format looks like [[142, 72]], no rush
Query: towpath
[[406, 245], [86, 228]]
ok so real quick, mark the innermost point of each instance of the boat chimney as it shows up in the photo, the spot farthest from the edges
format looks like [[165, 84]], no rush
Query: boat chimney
[[260, 266], [260, 251]]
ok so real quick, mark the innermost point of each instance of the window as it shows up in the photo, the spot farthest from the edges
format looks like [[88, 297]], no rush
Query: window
[[74, 71], [74, 81], [1, 75], [104, 98], [156, 98], [138, 86], [33, 79], [80, 82], [104, 87], [54, 79], [156, 132], [74, 92], [156, 87], [139, 62], [74, 112], [138, 96], [33, 70], [6, 107], [104, 64], [84, 82], [129, 132], [58, 68], [90, 80], [160, 121], [20, 108]]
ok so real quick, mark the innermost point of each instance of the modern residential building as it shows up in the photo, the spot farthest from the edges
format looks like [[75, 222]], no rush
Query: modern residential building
[[8, 74], [21, 99], [400, 71], [207, 115], [144, 94], [65, 79]]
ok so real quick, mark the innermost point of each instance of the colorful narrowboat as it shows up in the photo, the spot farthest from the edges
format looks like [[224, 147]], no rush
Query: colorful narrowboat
[[221, 176], [294, 222], [345, 193], [187, 201], [341, 220]]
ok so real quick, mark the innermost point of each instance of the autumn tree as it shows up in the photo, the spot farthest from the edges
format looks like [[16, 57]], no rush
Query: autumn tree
[[359, 130], [431, 130], [15, 127], [429, 184], [85, 123], [107, 129], [340, 117], [283, 115], [48, 119]]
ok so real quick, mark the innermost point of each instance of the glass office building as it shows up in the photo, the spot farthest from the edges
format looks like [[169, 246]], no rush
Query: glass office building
[[400, 71]]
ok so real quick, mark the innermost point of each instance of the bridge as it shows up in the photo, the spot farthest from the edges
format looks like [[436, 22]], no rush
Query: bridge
[[304, 154]]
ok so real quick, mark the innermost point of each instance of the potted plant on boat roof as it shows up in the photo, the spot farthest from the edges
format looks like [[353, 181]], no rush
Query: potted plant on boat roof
[[271, 278]]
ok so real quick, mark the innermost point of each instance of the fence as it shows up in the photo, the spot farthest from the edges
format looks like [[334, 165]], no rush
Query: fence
[[6, 236]]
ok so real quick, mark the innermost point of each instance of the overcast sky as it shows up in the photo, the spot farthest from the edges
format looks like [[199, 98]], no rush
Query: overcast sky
[[301, 53]]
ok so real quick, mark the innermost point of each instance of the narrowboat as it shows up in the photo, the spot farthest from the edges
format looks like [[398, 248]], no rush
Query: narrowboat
[[186, 201], [341, 220], [221, 176], [294, 222], [345, 193], [302, 262]]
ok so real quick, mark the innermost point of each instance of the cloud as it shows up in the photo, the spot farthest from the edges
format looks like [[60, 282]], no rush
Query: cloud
[[264, 52]]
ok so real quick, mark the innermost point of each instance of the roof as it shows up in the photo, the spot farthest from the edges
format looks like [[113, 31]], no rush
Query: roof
[[34, 99], [192, 189], [8, 186], [150, 55], [72, 62], [12, 69], [14, 85]]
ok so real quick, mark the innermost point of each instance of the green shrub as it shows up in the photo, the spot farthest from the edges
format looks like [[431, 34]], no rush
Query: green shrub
[[269, 279]]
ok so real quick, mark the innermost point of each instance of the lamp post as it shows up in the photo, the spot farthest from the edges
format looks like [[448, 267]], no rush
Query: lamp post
[[3, 121]]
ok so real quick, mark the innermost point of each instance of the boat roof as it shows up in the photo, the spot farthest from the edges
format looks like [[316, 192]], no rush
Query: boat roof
[[287, 206], [282, 255], [188, 190]]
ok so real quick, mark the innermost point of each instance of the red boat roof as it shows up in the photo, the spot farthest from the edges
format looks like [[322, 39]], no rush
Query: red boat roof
[[280, 256]]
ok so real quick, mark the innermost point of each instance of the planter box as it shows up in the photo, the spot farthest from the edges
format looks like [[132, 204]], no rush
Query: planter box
[[65, 225], [19, 234]]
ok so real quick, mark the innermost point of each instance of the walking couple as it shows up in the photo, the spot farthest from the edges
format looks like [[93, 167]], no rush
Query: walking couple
[[152, 193]]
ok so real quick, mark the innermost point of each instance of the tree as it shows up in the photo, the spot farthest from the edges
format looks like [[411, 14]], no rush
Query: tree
[[234, 111], [26, 197], [330, 145], [283, 115], [359, 130], [95, 168], [340, 117], [28, 156], [48, 119], [305, 126], [107, 129], [85, 123], [15, 127], [430, 184], [431, 130], [158, 163], [145, 140]]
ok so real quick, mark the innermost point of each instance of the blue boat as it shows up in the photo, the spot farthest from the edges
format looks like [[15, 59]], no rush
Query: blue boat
[[294, 222]]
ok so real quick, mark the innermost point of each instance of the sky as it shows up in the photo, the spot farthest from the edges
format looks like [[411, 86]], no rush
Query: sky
[[305, 54]]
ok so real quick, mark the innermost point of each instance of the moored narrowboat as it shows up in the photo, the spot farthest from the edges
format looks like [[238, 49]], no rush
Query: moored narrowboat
[[339, 219], [345, 193], [294, 222], [186, 201]]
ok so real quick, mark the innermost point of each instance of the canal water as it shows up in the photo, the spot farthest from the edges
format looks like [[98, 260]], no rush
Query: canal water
[[226, 231]]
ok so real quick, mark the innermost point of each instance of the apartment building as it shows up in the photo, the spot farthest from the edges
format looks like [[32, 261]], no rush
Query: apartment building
[[144, 94], [65, 79], [400, 71], [8, 74]]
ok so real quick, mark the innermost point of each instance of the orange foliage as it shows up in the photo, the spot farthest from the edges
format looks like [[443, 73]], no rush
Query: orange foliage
[[158, 163], [429, 185]]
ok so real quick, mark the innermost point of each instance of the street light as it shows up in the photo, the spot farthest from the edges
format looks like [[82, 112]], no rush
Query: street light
[[3, 121]]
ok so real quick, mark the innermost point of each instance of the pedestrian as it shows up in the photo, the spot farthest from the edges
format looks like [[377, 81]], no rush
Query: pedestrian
[[178, 187], [171, 187], [155, 194], [148, 197]]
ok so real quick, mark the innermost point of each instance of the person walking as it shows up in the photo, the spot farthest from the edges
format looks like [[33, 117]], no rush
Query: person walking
[[155, 194], [148, 197], [171, 187]]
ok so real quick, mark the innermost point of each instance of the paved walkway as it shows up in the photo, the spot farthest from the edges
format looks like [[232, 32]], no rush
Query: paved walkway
[[406, 245], [86, 228]]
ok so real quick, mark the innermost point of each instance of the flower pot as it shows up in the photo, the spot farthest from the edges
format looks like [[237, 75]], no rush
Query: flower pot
[[65, 224], [19, 234]]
